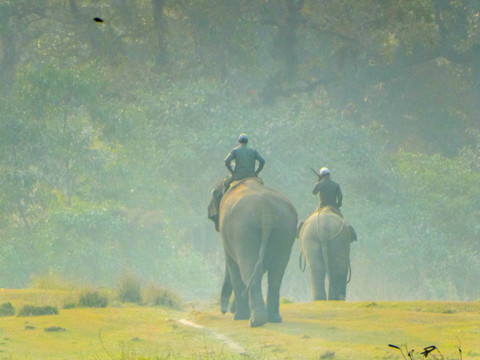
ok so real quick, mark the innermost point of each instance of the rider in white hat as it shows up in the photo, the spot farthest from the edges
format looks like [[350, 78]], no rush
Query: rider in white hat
[[330, 192]]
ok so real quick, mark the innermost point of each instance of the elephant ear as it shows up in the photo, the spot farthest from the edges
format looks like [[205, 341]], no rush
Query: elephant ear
[[214, 207], [212, 210], [353, 234], [215, 219]]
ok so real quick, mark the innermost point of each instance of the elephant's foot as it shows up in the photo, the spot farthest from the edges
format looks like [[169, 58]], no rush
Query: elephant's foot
[[224, 308], [258, 319], [241, 316], [276, 318], [233, 307]]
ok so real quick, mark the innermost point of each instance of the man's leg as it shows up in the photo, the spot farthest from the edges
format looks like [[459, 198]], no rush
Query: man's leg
[[226, 184]]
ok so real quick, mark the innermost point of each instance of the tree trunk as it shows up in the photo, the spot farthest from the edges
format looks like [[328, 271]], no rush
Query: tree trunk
[[284, 44], [159, 26], [8, 60]]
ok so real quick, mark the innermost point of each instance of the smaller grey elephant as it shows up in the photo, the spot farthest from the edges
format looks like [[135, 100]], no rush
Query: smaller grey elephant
[[325, 240]]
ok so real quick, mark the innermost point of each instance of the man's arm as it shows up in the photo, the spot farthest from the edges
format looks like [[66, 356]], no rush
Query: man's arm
[[228, 161], [316, 188], [261, 162], [339, 197]]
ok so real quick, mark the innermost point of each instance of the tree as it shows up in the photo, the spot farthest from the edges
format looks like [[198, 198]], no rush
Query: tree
[[159, 26]]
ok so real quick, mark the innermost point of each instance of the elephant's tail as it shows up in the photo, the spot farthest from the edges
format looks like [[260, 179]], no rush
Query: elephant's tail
[[266, 227], [325, 249], [326, 259]]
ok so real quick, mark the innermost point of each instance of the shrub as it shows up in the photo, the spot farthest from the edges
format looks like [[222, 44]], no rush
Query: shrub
[[31, 310], [129, 288], [284, 301], [50, 281], [54, 329], [92, 299], [6, 309], [157, 296]]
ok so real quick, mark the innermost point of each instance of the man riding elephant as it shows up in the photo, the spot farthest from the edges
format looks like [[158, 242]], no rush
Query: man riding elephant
[[329, 190], [245, 159], [325, 239]]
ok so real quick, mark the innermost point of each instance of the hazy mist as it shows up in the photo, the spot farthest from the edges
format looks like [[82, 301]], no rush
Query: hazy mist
[[114, 133]]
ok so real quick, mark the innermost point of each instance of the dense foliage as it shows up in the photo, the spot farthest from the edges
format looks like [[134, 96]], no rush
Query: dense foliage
[[113, 133]]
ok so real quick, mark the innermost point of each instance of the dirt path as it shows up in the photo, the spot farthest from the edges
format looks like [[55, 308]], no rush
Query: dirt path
[[227, 341]]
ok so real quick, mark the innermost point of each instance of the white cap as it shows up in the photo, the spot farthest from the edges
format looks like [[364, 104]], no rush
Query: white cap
[[324, 171]]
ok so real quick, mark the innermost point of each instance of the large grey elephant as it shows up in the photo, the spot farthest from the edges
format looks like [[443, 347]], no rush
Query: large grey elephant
[[258, 228], [325, 240]]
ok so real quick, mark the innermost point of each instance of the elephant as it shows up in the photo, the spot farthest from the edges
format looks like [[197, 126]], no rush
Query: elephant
[[257, 226], [325, 240]]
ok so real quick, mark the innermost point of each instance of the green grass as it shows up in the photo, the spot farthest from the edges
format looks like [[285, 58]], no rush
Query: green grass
[[313, 330]]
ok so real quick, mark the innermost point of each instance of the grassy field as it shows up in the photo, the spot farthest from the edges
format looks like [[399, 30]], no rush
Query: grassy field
[[313, 330]]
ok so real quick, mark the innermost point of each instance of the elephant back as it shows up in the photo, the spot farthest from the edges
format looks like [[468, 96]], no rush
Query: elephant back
[[252, 204], [329, 209], [251, 194], [323, 222]]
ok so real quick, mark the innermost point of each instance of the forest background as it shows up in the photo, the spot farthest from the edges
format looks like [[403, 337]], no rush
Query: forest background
[[113, 133]]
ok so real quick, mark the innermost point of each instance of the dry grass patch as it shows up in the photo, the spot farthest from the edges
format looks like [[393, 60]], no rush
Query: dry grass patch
[[127, 333], [313, 330], [38, 297], [159, 296], [363, 330]]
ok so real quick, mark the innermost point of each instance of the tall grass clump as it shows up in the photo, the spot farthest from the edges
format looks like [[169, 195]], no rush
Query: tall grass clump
[[92, 298], [51, 281], [7, 309], [158, 296], [129, 288], [32, 310]]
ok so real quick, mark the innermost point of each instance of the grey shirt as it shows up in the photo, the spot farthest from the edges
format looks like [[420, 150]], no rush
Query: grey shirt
[[245, 161], [330, 193]]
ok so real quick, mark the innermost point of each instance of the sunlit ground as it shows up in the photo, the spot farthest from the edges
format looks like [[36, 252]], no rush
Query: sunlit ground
[[311, 330]]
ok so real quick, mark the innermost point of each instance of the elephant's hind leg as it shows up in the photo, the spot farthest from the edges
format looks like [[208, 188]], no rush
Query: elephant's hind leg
[[259, 314], [318, 274], [242, 309], [340, 255], [273, 297], [276, 270], [226, 292], [252, 278], [338, 282], [314, 258]]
